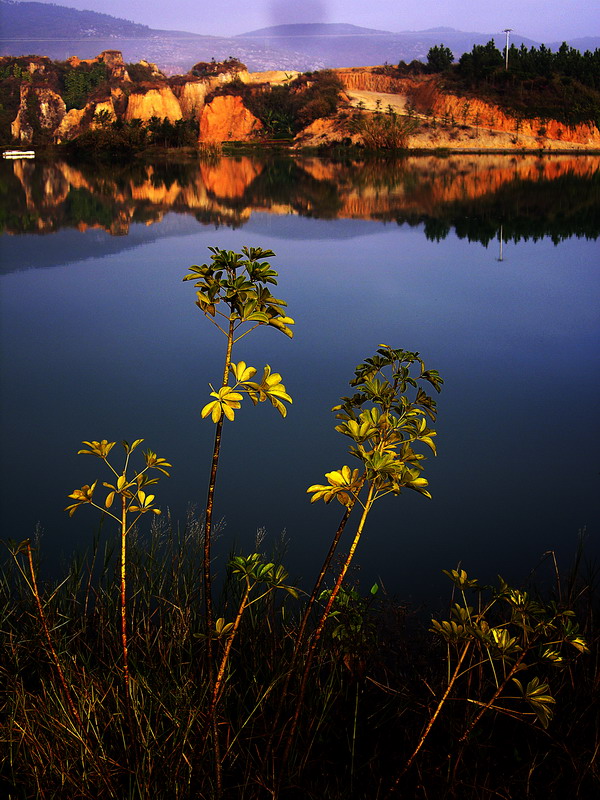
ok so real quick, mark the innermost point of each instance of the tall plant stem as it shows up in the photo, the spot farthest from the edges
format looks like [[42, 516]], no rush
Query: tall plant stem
[[124, 598], [208, 515], [51, 648], [228, 646], [495, 696], [302, 628], [217, 689], [124, 638], [346, 565], [434, 716], [320, 627], [319, 582], [207, 577], [59, 670]]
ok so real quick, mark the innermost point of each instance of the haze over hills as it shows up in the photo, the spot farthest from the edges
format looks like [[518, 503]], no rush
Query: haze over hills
[[58, 32], [341, 45]]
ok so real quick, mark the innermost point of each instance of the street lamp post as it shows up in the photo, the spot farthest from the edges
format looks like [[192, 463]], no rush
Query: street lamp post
[[507, 31]]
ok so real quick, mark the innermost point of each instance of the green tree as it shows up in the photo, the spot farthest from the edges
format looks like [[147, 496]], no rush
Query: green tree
[[481, 62], [439, 58]]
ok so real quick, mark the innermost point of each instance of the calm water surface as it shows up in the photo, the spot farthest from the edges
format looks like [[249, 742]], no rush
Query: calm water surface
[[101, 339]]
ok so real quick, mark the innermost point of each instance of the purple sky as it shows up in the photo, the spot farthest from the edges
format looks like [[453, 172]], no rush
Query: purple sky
[[543, 20]]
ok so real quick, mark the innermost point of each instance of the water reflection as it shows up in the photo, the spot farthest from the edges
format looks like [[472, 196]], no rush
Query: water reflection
[[529, 197]]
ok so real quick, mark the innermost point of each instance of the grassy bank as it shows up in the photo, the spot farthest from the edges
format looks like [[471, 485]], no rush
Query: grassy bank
[[375, 684]]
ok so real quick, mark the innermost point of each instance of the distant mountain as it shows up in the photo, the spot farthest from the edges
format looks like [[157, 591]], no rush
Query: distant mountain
[[339, 45], [585, 43], [313, 29], [58, 32], [47, 21]]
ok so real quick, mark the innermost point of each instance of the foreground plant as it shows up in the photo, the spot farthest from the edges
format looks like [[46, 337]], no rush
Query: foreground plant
[[385, 418], [233, 293], [488, 645], [30, 578], [133, 502], [384, 425]]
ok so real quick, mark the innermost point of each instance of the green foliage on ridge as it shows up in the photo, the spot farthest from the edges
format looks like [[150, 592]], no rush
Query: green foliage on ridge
[[562, 85]]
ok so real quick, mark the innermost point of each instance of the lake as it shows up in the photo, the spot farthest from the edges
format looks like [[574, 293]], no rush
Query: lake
[[485, 265]]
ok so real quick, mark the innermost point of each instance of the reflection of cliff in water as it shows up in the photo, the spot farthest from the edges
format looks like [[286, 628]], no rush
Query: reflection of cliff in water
[[556, 196]]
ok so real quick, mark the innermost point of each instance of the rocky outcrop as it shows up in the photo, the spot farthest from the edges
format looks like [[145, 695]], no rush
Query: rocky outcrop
[[160, 103], [446, 121], [113, 60], [428, 99], [119, 100], [327, 131], [191, 96], [155, 72], [40, 109], [104, 113], [226, 119], [71, 125], [364, 79], [273, 77], [479, 114]]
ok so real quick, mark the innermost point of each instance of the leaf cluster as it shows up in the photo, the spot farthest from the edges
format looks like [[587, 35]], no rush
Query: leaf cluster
[[509, 633], [239, 283], [131, 489], [254, 569], [384, 424], [228, 400]]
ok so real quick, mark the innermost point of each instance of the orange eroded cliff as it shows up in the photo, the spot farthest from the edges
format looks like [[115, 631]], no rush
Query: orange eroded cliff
[[226, 119]]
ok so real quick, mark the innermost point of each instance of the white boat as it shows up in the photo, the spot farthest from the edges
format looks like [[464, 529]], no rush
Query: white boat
[[18, 154]]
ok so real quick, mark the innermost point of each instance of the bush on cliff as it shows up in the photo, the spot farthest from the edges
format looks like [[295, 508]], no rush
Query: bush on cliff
[[286, 109]]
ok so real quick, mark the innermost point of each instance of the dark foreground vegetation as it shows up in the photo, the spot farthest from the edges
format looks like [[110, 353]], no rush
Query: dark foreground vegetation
[[142, 674]]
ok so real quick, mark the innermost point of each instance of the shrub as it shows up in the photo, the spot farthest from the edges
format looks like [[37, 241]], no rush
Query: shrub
[[389, 131]]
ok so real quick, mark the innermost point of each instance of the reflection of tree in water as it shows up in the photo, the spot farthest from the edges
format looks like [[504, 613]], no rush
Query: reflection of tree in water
[[282, 181], [219, 220], [470, 197], [165, 173], [566, 206]]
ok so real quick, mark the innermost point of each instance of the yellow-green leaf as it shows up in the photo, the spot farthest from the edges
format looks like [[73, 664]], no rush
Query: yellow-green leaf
[[208, 408]]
